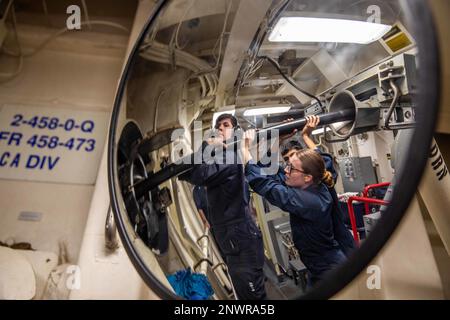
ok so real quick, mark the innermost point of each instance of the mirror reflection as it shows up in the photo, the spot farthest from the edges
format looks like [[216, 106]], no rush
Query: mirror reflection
[[259, 140]]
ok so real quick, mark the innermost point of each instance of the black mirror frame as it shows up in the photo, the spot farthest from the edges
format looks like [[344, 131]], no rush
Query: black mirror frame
[[429, 95]]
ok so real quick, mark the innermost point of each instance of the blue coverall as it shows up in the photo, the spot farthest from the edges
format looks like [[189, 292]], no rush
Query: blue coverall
[[311, 218], [201, 202], [234, 229]]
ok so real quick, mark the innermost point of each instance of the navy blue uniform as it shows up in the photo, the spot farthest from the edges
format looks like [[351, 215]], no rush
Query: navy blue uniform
[[311, 219], [201, 202], [341, 233], [229, 215]]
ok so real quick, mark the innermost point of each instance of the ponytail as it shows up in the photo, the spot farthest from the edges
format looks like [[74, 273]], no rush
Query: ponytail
[[328, 179]]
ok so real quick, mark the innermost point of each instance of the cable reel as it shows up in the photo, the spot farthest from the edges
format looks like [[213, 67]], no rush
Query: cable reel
[[146, 212]]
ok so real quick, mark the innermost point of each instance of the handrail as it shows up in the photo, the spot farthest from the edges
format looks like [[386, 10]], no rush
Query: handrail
[[351, 212], [370, 187]]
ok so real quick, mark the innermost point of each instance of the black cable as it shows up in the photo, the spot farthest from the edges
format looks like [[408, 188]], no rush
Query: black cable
[[256, 44], [292, 83]]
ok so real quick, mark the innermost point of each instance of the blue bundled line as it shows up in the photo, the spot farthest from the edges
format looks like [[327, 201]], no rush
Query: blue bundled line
[[191, 286]]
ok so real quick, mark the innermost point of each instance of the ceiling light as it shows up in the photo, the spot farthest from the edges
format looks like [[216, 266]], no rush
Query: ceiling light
[[266, 110], [302, 29]]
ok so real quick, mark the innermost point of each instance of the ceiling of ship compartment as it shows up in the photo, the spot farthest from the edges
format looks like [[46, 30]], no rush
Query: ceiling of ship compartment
[[196, 27]]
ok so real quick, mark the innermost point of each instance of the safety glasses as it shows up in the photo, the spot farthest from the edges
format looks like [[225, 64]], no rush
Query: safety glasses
[[289, 168]]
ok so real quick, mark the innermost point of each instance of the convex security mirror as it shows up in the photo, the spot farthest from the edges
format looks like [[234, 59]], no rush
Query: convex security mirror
[[368, 70]]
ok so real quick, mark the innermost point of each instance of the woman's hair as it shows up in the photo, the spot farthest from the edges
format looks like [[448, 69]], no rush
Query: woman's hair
[[313, 164]]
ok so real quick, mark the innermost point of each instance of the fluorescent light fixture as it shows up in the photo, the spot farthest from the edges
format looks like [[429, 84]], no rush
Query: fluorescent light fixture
[[266, 110], [217, 114], [302, 29], [319, 131]]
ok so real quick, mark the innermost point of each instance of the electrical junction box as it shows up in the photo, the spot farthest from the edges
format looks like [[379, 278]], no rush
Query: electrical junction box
[[370, 220]]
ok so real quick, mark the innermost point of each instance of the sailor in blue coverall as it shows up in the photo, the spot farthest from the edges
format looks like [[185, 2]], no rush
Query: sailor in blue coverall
[[303, 190], [229, 214]]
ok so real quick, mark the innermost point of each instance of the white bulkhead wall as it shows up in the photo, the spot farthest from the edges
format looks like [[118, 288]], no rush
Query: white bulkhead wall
[[56, 80], [75, 72], [59, 80]]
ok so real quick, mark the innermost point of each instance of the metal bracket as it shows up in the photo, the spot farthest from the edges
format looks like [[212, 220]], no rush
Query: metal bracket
[[111, 240], [203, 236], [220, 264], [201, 261]]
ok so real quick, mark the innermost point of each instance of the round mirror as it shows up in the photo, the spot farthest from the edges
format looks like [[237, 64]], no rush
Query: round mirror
[[227, 118]]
